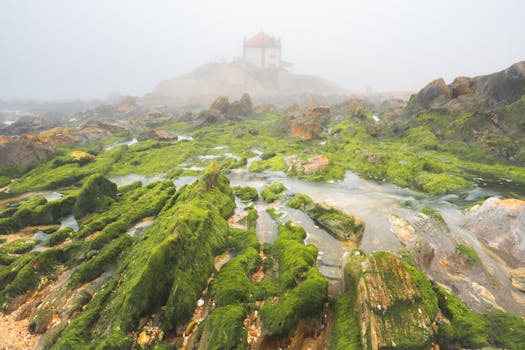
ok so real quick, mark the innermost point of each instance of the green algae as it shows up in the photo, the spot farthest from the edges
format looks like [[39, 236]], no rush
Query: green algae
[[246, 193], [273, 192]]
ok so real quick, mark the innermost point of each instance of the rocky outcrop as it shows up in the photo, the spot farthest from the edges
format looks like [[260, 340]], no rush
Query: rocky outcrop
[[423, 252], [222, 109], [394, 305], [500, 225], [306, 124], [158, 134], [222, 104], [25, 149], [464, 94]]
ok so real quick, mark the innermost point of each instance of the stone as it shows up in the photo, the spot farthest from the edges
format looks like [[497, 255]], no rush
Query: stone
[[500, 225], [158, 134], [222, 104], [517, 278]]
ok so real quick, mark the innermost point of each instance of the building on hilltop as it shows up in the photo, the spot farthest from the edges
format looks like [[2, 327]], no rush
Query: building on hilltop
[[263, 51]]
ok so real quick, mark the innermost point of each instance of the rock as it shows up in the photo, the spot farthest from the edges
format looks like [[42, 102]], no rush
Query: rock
[[25, 149], [158, 134], [402, 229], [222, 104], [500, 225], [209, 116], [314, 164], [423, 252], [517, 278], [392, 305], [40, 320], [246, 103], [317, 111], [82, 157], [307, 124], [235, 110], [342, 226], [463, 94]]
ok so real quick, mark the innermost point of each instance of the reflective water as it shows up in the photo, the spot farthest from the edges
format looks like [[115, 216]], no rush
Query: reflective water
[[69, 221]]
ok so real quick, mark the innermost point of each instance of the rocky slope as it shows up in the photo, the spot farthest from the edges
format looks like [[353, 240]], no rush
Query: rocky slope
[[485, 112], [27, 149], [464, 93]]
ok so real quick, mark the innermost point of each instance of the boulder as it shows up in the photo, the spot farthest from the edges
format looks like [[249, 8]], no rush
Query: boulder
[[500, 225], [209, 116], [341, 225], [434, 92], [222, 104]]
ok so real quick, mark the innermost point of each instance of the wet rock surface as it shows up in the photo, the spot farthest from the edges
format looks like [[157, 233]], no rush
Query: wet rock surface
[[500, 225]]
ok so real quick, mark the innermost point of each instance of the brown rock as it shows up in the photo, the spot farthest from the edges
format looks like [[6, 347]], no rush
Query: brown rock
[[222, 104]]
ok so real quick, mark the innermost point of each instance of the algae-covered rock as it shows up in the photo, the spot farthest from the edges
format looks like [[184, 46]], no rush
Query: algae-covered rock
[[300, 201], [246, 193], [40, 320], [342, 226], [394, 303], [97, 194], [273, 192]]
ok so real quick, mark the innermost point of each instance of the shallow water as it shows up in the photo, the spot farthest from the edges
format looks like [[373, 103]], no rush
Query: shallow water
[[69, 221], [123, 180], [129, 143], [139, 228]]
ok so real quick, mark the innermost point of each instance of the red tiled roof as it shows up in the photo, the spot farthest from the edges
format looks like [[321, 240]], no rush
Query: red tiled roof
[[262, 39]]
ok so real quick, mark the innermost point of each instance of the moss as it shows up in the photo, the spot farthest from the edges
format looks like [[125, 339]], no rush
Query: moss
[[345, 334], [423, 138], [468, 254], [300, 201], [273, 192], [466, 328], [434, 215], [96, 266], [437, 184], [232, 284], [97, 194], [224, 329], [19, 246], [392, 299], [340, 225], [506, 330], [276, 163], [246, 194], [275, 214], [59, 236], [36, 211], [304, 301], [33, 271], [4, 181], [39, 321]]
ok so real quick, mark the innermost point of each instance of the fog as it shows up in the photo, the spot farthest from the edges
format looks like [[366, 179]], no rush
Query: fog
[[63, 49]]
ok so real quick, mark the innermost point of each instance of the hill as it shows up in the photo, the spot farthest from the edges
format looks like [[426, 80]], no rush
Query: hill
[[200, 87]]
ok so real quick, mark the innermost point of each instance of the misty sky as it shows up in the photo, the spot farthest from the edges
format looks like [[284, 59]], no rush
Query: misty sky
[[66, 49]]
